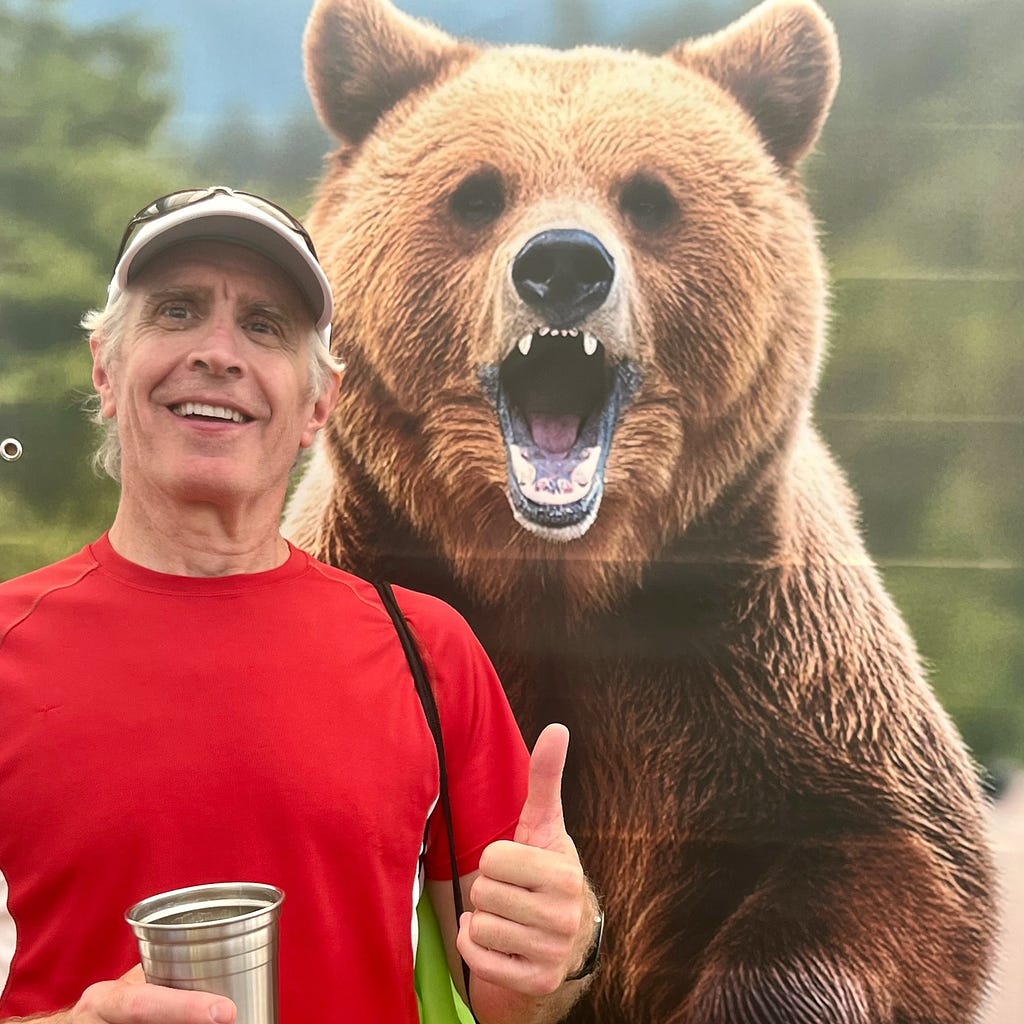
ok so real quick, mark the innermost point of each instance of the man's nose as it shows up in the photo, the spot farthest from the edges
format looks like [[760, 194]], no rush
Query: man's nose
[[218, 349]]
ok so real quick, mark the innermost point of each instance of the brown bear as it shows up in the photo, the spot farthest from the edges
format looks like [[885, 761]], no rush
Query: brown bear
[[582, 304]]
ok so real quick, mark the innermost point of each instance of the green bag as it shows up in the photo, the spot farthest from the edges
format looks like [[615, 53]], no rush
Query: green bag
[[439, 1001]]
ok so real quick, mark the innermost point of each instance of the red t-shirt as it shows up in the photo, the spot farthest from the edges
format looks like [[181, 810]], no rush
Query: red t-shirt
[[160, 731]]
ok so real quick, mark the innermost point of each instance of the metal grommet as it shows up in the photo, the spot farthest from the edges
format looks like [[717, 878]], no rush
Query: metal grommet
[[11, 449]]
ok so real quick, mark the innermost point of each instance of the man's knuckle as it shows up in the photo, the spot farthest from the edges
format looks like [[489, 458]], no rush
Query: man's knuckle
[[569, 879], [545, 981], [91, 1001]]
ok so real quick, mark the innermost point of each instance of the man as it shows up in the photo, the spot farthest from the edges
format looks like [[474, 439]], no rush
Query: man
[[191, 699]]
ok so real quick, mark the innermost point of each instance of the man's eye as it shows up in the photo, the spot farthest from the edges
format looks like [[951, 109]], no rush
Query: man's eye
[[176, 311], [260, 326]]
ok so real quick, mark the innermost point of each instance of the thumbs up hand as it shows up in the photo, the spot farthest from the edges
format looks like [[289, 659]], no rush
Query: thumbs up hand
[[533, 916]]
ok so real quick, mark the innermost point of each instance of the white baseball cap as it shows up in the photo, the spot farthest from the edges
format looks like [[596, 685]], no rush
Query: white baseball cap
[[219, 213]]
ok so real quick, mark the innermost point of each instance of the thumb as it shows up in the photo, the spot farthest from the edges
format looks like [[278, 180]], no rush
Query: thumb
[[541, 823]]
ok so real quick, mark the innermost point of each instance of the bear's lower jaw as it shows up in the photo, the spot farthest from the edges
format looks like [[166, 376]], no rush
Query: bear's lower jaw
[[556, 494], [560, 479]]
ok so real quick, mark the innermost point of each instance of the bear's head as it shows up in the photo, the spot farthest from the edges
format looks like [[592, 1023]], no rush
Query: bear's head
[[579, 293]]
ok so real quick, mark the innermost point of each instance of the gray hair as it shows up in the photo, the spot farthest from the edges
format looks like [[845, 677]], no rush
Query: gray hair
[[108, 326]]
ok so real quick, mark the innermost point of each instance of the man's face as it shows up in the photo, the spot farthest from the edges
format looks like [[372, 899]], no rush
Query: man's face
[[211, 383]]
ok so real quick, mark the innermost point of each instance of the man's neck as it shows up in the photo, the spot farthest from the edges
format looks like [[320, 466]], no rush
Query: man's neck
[[198, 540]]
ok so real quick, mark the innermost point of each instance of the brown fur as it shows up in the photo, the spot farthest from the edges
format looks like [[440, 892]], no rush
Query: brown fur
[[784, 823]]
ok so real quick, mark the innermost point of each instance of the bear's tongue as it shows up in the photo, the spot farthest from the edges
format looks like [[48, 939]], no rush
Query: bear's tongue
[[554, 434]]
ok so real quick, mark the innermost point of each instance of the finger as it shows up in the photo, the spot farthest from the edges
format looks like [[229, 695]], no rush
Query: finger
[[541, 822], [134, 977], [127, 1001], [517, 973], [500, 935], [525, 924], [506, 865]]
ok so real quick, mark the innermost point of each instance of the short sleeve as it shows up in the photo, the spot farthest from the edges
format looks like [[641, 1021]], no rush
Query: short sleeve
[[487, 760]]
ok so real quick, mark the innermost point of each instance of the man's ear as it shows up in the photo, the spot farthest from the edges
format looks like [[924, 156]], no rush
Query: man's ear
[[322, 408], [101, 377]]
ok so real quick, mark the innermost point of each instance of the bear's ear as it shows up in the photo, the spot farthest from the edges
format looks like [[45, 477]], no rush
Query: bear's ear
[[363, 56], [781, 62]]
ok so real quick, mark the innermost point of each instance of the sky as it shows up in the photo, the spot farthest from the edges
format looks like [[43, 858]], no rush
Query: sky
[[247, 53]]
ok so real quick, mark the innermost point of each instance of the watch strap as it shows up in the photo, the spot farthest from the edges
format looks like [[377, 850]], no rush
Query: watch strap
[[593, 957]]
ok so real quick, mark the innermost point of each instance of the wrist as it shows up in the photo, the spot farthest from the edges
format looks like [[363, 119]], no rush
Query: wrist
[[592, 955]]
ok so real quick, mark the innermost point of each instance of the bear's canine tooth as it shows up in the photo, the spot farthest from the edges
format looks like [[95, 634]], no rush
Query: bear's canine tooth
[[589, 344], [524, 344]]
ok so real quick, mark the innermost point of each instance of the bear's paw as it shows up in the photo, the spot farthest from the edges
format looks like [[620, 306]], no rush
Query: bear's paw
[[809, 990]]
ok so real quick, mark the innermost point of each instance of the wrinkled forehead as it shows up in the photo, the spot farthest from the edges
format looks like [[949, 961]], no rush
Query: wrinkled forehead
[[209, 267]]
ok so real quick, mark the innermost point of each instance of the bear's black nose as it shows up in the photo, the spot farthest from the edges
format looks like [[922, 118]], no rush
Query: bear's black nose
[[563, 274]]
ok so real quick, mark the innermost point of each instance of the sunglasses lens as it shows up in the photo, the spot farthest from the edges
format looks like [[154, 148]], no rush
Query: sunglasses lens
[[279, 214], [178, 200], [270, 209]]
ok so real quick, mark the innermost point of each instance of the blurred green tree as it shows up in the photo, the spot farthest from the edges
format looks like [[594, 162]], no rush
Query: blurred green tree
[[80, 110], [920, 189], [277, 159]]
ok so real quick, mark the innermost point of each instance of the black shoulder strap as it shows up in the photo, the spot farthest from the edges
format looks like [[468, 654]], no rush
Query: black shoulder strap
[[426, 695]]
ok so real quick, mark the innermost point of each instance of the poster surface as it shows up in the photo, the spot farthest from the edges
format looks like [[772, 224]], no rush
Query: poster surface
[[914, 182]]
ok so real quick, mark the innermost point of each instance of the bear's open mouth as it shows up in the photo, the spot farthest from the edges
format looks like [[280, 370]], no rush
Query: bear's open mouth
[[558, 399]]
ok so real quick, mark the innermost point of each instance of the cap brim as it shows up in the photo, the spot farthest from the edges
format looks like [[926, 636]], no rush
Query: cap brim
[[227, 219]]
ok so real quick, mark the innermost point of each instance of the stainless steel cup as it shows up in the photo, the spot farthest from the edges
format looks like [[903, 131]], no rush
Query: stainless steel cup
[[219, 938]]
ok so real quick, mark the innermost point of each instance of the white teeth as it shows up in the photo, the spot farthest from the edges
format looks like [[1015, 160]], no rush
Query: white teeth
[[590, 342], [213, 411]]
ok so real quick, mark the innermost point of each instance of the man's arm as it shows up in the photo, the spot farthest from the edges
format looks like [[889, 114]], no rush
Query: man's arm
[[532, 916], [129, 1000]]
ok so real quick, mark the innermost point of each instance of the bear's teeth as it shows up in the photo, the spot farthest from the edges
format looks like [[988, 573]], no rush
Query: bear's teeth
[[590, 343]]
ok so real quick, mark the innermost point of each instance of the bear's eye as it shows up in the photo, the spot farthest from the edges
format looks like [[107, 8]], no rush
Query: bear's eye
[[480, 199], [647, 202]]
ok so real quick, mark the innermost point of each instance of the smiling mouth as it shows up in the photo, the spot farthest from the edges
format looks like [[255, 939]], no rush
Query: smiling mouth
[[558, 397], [209, 413]]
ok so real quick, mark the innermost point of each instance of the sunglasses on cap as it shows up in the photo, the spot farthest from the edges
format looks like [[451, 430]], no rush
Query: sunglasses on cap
[[189, 197]]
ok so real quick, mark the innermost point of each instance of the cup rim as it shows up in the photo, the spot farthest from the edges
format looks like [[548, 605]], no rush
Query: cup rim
[[170, 899]]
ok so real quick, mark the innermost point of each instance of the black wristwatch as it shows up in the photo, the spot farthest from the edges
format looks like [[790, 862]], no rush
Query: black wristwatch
[[593, 957]]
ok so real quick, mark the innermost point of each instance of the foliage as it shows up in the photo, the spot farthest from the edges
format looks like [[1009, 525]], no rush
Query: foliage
[[79, 110], [280, 160], [922, 197]]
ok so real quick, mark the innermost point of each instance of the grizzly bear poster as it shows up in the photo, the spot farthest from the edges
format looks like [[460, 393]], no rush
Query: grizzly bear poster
[[583, 309]]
